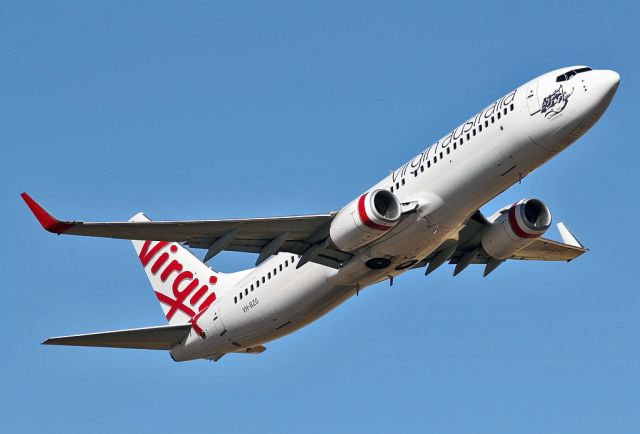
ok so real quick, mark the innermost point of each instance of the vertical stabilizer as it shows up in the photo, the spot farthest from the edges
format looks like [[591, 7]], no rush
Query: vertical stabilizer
[[184, 285]]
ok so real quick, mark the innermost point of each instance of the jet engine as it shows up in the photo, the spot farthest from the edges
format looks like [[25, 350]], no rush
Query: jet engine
[[365, 219], [518, 226]]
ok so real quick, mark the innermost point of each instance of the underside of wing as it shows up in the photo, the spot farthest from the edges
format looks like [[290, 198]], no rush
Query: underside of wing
[[544, 249], [541, 249], [294, 234], [148, 338], [467, 248]]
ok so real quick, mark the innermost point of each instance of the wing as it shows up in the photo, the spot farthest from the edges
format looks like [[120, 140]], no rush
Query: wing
[[266, 236], [148, 338], [467, 249], [543, 249]]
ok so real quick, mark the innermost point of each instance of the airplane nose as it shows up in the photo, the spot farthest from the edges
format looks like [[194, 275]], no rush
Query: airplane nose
[[603, 88], [611, 79]]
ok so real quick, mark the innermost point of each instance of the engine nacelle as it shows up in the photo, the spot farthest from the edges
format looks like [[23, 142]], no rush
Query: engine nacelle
[[522, 223], [365, 219]]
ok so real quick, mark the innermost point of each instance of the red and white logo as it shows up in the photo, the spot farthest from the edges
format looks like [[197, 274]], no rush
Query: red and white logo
[[182, 284]]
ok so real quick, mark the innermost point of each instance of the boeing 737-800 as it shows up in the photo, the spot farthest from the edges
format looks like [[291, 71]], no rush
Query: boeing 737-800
[[423, 214]]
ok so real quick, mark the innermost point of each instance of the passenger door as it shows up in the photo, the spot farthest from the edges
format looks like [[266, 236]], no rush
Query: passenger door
[[532, 98]]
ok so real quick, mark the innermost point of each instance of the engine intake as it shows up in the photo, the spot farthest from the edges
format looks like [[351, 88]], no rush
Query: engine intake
[[523, 222], [365, 219]]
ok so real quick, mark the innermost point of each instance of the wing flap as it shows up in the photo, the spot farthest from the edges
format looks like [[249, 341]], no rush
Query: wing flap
[[147, 338]]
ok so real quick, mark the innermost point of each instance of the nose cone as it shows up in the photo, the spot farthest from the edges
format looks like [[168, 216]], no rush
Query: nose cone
[[603, 87], [607, 81], [611, 80]]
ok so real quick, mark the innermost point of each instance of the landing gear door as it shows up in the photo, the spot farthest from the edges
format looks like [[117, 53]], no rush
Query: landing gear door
[[532, 98]]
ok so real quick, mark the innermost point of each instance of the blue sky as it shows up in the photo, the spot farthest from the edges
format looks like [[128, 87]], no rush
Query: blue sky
[[240, 109]]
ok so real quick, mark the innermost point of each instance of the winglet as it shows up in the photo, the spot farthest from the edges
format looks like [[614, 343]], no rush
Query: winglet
[[49, 222], [568, 237]]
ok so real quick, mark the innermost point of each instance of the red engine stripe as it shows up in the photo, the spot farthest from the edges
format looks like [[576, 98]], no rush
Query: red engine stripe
[[362, 212], [515, 227]]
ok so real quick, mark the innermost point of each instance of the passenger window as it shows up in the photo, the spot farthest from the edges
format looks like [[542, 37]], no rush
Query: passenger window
[[468, 136], [280, 267], [275, 271], [402, 181], [240, 296], [511, 107], [397, 185], [480, 128], [263, 279], [505, 110], [252, 287], [269, 275], [235, 299], [441, 155], [421, 168], [257, 284], [486, 124], [461, 140], [474, 131], [246, 291], [448, 150], [428, 163], [286, 263], [498, 115], [455, 146], [292, 260], [435, 159], [492, 119], [392, 189]]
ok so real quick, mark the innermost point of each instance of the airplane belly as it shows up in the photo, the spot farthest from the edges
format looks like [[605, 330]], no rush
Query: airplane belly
[[283, 306]]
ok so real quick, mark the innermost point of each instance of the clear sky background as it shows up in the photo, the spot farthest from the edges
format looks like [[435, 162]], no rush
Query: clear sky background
[[241, 109]]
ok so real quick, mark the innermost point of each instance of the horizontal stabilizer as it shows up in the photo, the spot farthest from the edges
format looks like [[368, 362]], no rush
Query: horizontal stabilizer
[[147, 338]]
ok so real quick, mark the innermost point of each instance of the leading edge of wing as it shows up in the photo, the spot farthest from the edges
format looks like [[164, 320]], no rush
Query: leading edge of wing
[[179, 230]]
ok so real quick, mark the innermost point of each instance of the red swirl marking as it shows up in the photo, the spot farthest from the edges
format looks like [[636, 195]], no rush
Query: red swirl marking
[[362, 212]]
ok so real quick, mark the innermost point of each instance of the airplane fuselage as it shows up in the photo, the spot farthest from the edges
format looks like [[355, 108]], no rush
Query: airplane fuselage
[[439, 190]]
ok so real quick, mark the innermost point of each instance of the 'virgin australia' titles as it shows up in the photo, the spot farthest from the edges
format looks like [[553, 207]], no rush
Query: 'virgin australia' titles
[[456, 134]]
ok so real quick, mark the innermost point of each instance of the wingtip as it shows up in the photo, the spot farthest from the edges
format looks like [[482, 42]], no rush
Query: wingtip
[[48, 222], [568, 237]]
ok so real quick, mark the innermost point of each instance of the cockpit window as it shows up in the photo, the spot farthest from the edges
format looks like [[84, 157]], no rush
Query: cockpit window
[[567, 75]]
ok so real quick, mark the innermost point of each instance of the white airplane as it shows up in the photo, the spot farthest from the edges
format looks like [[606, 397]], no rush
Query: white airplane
[[423, 214]]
